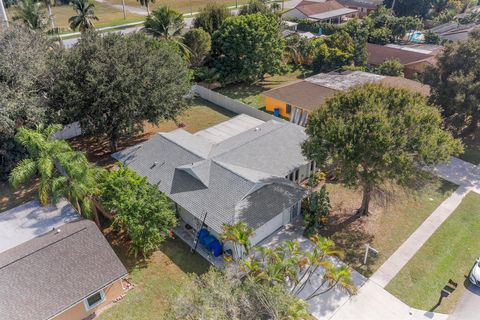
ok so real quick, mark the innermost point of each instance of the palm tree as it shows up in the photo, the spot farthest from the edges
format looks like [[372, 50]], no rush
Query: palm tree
[[43, 150], [335, 277], [145, 3], [239, 234], [48, 4], [31, 13], [63, 172], [85, 15], [164, 23]]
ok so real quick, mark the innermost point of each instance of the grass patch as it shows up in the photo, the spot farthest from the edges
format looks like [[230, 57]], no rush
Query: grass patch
[[251, 94], [184, 6], [391, 221], [154, 279], [448, 254], [107, 16]]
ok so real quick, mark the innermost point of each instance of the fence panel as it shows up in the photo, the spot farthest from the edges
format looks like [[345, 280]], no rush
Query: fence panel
[[71, 130]]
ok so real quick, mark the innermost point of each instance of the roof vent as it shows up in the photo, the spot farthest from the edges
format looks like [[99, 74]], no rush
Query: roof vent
[[56, 230], [257, 129]]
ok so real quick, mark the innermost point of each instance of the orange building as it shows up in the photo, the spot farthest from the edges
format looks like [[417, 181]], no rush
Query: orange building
[[55, 265], [297, 99]]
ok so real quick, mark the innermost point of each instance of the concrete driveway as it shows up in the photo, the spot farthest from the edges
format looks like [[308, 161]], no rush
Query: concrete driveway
[[468, 307]]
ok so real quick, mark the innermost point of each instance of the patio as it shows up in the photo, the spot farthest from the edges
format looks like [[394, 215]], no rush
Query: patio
[[188, 236]]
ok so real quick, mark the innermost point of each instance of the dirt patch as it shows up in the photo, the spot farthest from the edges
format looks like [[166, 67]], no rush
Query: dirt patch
[[11, 197]]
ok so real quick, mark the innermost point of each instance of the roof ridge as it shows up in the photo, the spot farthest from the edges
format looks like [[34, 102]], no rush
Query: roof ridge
[[46, 246]]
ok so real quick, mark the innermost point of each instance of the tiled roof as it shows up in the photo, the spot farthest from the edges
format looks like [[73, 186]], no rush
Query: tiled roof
[[55, 270]]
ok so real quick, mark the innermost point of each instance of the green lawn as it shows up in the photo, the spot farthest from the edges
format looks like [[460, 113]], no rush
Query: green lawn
[[107, 16], [252, 94], [154, 280], [448, 254], [184, 6], [392, 220]]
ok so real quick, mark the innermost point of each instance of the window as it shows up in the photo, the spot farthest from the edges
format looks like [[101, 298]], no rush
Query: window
[[291, 177], [94, 300], [296, 174], [312, 166], [289, 109]]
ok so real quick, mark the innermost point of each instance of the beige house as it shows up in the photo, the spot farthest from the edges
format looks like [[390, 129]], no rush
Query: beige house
[[321, 10], [55, 265]]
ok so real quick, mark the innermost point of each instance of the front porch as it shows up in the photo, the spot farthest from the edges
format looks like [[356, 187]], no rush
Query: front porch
[[188, 236]]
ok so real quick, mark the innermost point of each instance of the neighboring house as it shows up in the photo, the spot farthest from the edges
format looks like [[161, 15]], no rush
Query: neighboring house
[[454, 31], [414, 61], [243, 169], [321, 10], [295, 100], [55, 265], [364, 7]]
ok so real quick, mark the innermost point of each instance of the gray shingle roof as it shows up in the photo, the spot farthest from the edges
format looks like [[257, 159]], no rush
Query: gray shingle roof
[[53, 271], [223, 178]]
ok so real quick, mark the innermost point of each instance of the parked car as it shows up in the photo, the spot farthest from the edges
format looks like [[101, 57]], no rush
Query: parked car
[[475, 273]]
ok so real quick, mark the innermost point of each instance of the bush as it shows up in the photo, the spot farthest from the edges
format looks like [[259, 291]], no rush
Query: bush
[[391, 67], [141, 210]]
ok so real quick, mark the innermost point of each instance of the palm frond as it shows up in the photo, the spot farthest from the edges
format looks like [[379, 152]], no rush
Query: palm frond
[[23, 172]]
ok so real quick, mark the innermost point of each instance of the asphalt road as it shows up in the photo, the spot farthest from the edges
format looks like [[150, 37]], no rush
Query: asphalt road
[[468, 307]]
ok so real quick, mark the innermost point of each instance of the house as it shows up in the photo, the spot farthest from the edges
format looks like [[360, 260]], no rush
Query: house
[[414, 61], [321, 11], [243, 169], [454, 31], [296, 99], [364, 7], [55, 265]]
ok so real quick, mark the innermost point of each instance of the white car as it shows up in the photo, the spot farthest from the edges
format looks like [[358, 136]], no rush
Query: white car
[[475, 273]]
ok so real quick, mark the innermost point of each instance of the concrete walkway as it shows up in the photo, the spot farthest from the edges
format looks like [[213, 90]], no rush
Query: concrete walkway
[[407, 250]]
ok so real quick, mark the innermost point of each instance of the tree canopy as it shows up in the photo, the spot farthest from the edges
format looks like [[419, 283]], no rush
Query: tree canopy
[[245, 48], [199, 44], [140, 209], [113, 83], [455, 83], [23, 65], [164, 22], [372, 134], [211, 17], [409, 7], [216, 296], [391, 67]]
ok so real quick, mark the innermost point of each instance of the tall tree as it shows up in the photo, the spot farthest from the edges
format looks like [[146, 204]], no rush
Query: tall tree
[[245, 48], [23, 65], [146, 4], [255, 6], [199, 44], [113, 83], [333, 52], [85, 11], [409, 8], [239, 235], [31, 13], [62, 171], [164, 22], [211, 17], [372, 134], [455, 83], [48, 4]]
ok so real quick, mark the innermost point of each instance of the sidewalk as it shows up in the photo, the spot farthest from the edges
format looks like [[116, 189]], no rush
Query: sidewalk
[[407, 250]]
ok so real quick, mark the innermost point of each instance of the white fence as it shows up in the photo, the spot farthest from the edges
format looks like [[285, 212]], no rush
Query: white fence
[[232, 104], [71, 130]]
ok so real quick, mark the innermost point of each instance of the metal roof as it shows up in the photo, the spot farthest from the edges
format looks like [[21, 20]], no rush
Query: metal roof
[[332, 14]]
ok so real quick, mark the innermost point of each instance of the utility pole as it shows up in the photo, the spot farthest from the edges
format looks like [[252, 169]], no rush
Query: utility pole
[[3, 16], [124, 13]]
